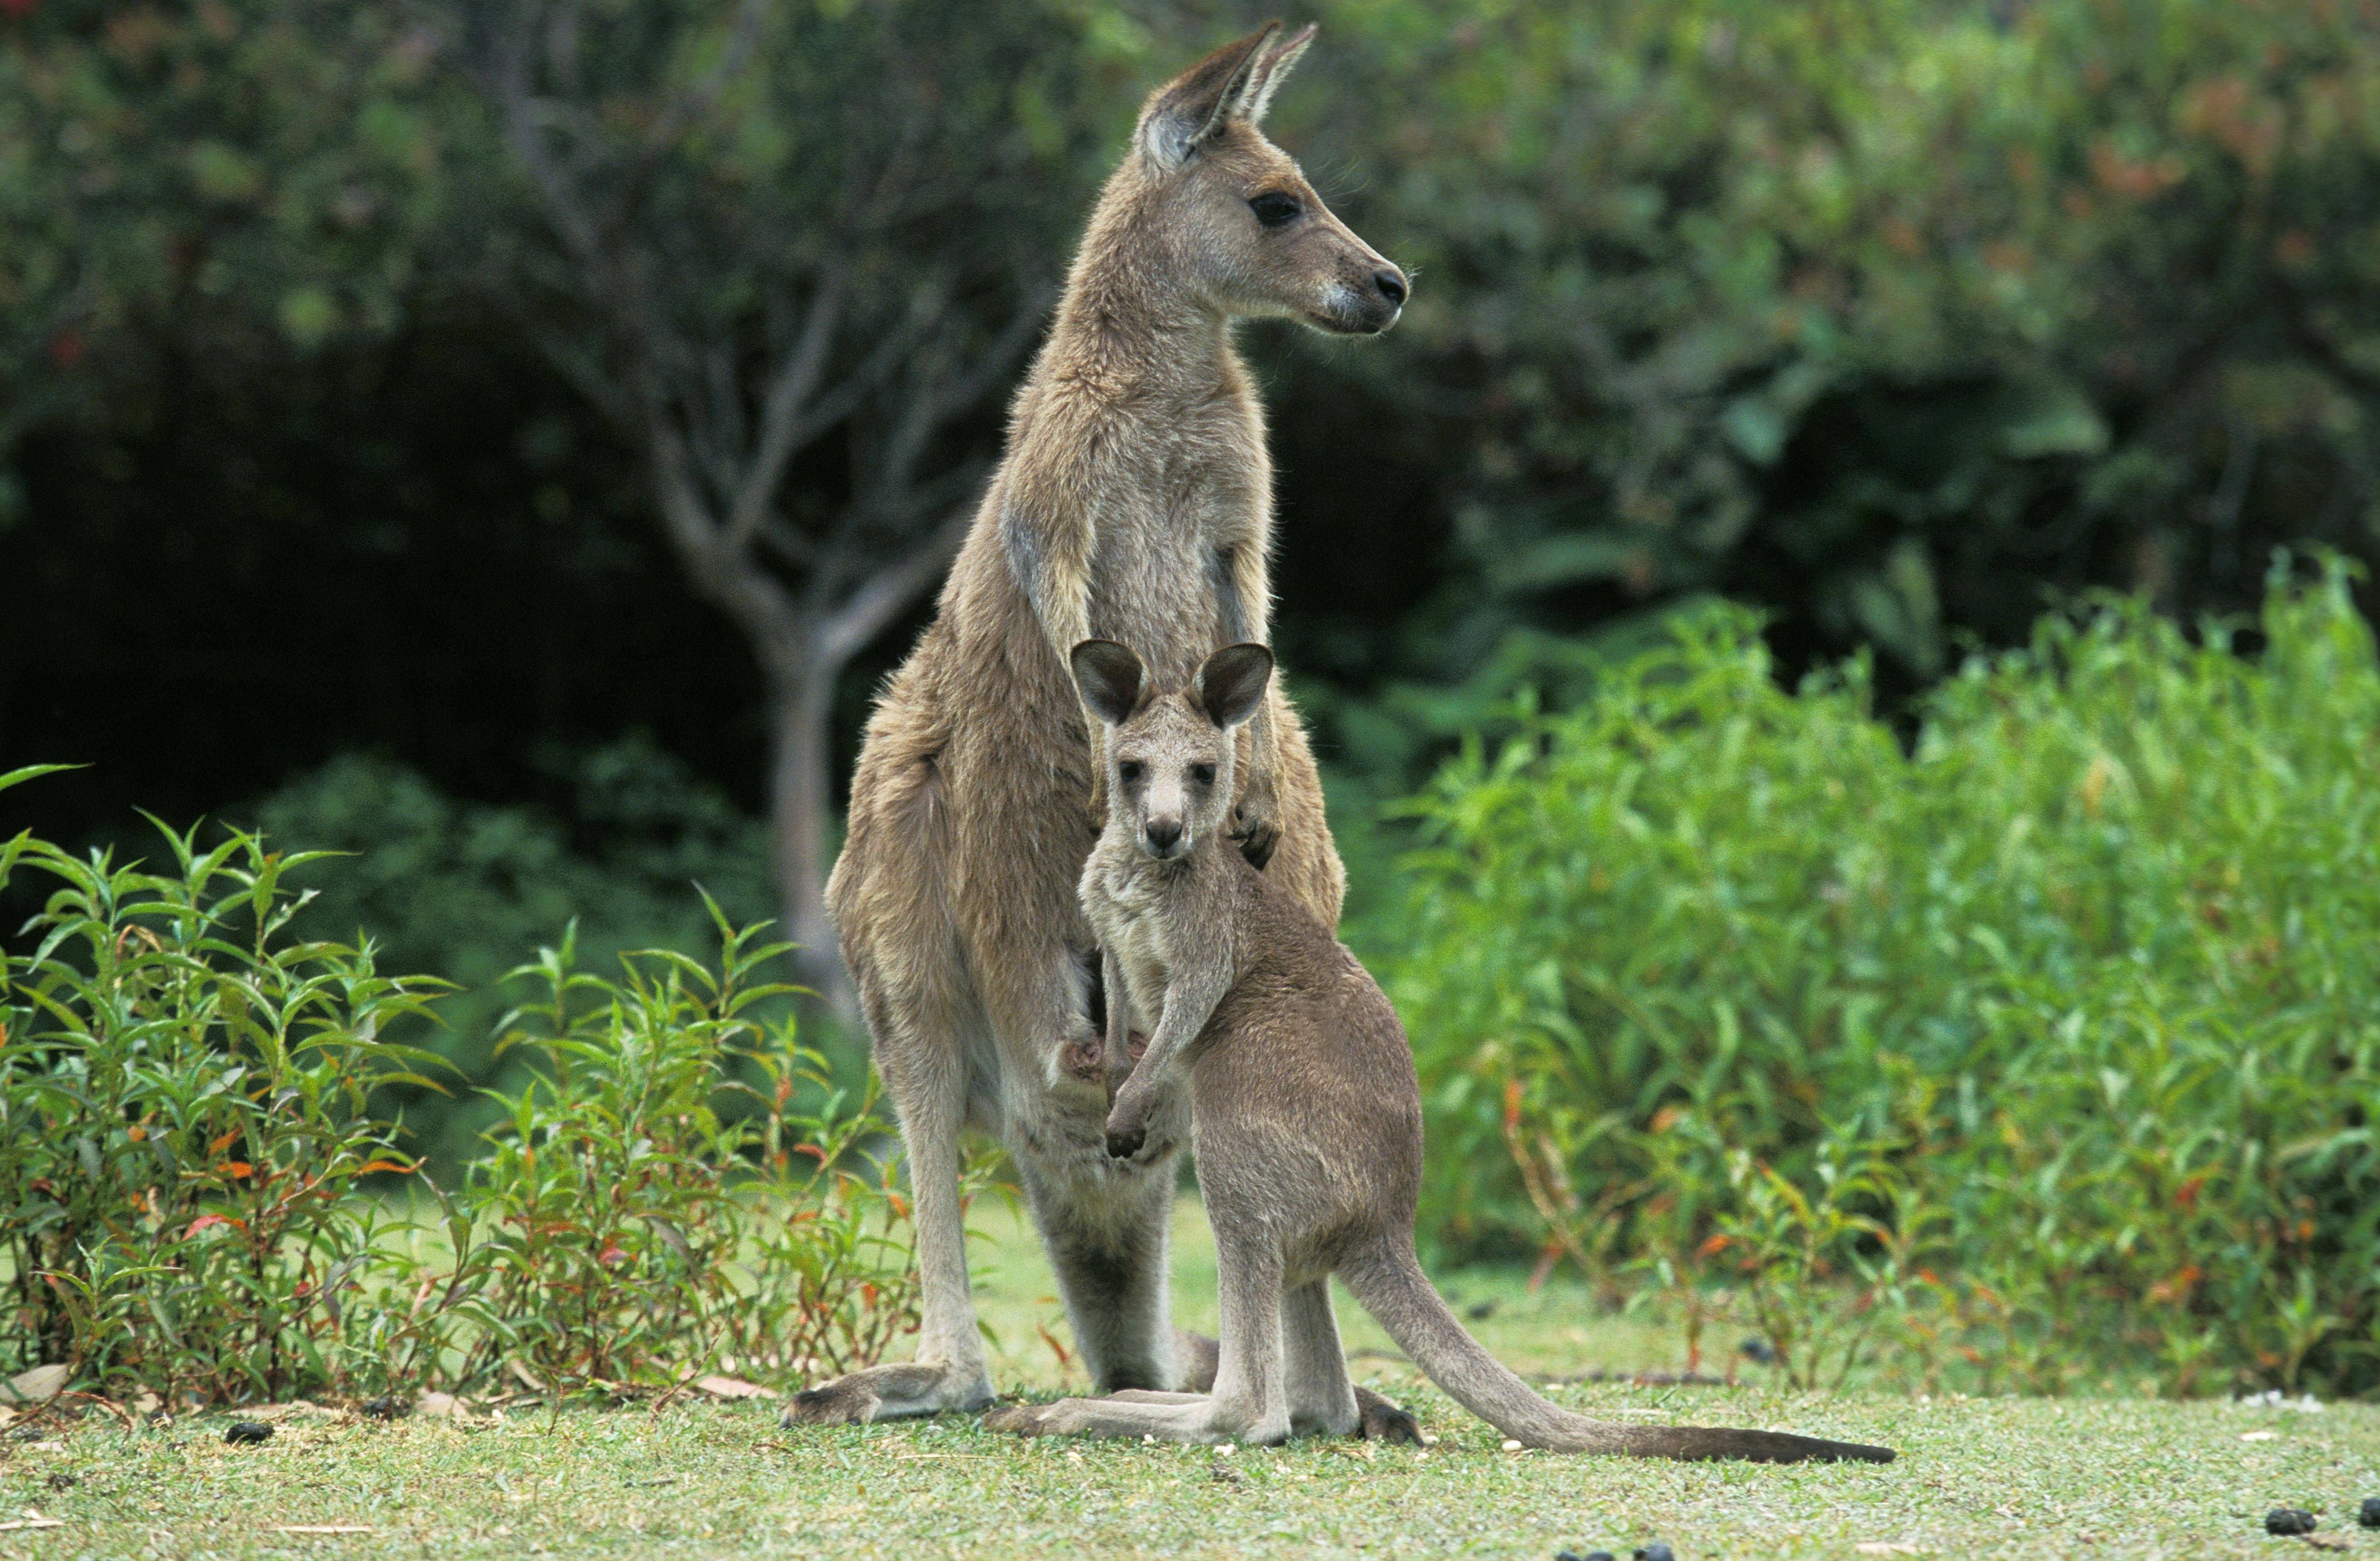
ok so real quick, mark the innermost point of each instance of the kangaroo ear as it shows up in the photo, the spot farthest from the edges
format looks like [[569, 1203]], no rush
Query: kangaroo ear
[[1196, 103], [1272, 69], [1232, 683], [1110, 676]]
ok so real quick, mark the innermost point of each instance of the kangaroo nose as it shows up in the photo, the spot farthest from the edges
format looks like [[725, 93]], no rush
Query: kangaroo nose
[[1391, 284], [1162, 833]]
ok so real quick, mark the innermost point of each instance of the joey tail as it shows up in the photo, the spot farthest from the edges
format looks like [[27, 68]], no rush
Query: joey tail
[[1390, 1284]]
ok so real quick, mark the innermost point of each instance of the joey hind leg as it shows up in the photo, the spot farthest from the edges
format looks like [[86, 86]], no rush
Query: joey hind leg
[[1321, 1399], [929, 1090], [1376, 1419], [1248, 1403]]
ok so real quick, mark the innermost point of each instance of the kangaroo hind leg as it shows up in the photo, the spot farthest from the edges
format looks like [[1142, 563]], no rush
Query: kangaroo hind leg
[[920, 1036]]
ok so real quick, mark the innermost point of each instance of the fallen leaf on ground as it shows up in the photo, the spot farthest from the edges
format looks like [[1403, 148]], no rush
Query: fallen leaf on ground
[[731, 1387], [1887, 1547], [440, 1406], [35, 1387], [2330, 1542], [325, 1529], [32, 1519], [2259, 1436]]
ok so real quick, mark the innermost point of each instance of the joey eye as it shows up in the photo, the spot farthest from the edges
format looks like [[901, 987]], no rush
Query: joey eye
[[1203, 773], [1129, 770], [1276, 210]]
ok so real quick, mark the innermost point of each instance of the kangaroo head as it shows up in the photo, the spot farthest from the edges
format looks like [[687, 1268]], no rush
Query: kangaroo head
[[1247, 231], [1169, 756]]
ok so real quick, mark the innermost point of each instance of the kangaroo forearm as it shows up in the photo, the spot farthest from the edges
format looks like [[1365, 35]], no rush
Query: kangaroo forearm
[[1263, 747], [1119, 1060], [1188, 1007], [1050, 557]]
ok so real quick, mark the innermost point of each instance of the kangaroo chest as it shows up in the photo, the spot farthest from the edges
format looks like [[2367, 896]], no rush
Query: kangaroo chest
[[1177, 563], [1136, 916]]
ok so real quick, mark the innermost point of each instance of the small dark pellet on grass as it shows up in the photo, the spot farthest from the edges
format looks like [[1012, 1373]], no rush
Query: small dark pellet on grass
[[62, 1480], [387, 1407], [245, 1432], [2370, 1515], [2289, 1520], [1656, 1551]]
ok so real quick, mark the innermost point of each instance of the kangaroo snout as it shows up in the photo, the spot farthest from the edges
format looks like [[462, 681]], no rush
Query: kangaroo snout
[[1163, 836], [1367, 307]]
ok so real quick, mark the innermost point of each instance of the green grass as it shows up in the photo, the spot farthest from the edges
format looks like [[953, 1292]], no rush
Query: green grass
[[2103, 1478]]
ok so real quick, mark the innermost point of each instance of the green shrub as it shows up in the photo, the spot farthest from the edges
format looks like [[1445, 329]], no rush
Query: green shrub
[[2074, 1002], [187, 1127], [182, 1133], [628, 1226]]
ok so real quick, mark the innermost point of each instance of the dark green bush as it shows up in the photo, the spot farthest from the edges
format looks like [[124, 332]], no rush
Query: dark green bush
[[2063, 1029]]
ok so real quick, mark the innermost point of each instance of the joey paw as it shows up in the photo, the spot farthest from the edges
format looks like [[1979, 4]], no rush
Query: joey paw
[[1125, 1144]]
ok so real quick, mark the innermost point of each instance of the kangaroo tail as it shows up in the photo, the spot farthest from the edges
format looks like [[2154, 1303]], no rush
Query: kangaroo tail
[[1387, 1280]]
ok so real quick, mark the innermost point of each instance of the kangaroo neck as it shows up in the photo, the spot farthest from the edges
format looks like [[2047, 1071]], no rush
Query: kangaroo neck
[[1130, 330]]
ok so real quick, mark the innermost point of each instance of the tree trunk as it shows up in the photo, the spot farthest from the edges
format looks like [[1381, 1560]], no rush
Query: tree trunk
[[801, 801]]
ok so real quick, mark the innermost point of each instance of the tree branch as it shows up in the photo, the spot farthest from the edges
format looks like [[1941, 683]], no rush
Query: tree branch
[[782, 431], [889, 590]]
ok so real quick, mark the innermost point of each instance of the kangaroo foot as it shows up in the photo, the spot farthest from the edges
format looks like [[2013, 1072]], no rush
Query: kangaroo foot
[[1384, 1421], [883, 1393]]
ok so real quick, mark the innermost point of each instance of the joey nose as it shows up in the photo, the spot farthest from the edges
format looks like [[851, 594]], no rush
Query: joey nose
[[1163, 833], [1390, 282]]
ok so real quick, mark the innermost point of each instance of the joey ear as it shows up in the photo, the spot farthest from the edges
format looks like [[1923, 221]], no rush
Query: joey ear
[[1110, 676], [1272, 69], [1233, 682], [1191, 107]]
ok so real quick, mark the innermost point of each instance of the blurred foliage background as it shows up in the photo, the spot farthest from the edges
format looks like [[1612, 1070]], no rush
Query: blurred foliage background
[[508, 439]]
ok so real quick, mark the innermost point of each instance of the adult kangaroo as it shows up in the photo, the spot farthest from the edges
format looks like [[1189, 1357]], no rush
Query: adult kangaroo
[[1134, 500]]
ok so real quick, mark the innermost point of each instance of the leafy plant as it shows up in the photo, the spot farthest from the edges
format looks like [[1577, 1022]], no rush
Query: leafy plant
[[182, 1101], [652, 1203], [189, 1148]]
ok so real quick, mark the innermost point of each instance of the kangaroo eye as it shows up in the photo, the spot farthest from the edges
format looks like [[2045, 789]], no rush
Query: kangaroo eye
[[1276, 210], [1129, 769], [1203, 773]]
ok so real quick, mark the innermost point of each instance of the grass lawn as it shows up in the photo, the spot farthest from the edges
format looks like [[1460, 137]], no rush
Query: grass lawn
[[2099, 1477]]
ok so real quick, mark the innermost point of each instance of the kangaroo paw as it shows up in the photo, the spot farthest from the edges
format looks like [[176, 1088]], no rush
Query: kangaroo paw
[[1384, 1421], [883, 1393]]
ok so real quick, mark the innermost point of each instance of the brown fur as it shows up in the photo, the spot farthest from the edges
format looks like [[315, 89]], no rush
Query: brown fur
[[1305, 1117], [1136, 497]]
